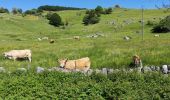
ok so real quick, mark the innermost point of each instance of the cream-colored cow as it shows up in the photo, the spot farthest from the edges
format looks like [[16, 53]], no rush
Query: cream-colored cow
[[82, 64], [18, 54]]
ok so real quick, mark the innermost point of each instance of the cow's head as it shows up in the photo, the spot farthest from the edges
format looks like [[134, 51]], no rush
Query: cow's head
[[136, 60], [6, 55], [62, 62]]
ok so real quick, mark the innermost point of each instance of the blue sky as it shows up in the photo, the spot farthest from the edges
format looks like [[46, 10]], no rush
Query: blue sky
[[29, 4]]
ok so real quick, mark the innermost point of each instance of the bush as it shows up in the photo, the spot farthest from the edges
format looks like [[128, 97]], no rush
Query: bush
[[151, 23], [117, 6], [163, 26], [99, 10], [3, 10], [16, 11], [55, 19], [91, 18], [57, 8], [108, 11], [33, 12]]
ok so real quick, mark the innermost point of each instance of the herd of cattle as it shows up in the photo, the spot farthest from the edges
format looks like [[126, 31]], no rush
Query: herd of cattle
[[82, 64]]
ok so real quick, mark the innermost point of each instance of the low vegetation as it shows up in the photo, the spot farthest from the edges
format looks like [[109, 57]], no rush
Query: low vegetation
[[55, 85]]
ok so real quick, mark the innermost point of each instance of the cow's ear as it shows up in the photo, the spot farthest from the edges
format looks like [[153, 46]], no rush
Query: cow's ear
[[66, 59]]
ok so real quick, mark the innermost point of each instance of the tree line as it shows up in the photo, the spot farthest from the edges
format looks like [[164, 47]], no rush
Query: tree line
[[57, 8]]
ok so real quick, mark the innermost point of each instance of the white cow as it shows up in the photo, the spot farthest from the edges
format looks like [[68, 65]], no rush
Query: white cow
[[18, 54]]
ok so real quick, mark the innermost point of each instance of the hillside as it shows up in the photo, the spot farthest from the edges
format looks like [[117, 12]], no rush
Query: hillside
[[111, 50]]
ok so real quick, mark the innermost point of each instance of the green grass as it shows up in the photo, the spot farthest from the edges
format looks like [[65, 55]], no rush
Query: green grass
[[17, 32]]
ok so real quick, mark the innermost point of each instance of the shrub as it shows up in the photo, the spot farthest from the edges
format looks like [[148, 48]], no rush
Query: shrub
[[163, 26], [55, 20], [33, 12], [16, 11], [117, 6], [91, 18], [99, 9], [108, 11], [3, 10], [150, 23]]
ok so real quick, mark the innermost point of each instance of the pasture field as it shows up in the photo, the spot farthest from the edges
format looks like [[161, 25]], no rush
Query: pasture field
[[112, 51], [109, 51]]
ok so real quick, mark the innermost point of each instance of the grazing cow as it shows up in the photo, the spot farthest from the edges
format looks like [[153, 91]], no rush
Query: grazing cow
[[82, 64], [52, 41], [18, 54], [77, 37], [156, 35]]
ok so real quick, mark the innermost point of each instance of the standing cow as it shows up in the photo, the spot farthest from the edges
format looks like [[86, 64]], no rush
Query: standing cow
[[18, 54], [82, 64]]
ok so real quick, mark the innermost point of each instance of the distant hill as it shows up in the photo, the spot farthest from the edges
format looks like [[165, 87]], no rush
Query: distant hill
[[57, 8]]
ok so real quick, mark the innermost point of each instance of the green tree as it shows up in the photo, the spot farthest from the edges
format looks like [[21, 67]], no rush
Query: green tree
[[108, 11], [3, 10], [16, 11], [99, 10], [91, 18], [55, 20]]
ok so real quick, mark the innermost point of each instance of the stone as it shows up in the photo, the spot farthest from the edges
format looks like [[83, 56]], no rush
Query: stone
[[139, 69], [165, 69], [40, 69], [110, 71], [152, 68], [157, 68], [22, 69], [104, 71], [97, 71], [89, 72], [116, 71], [146, 69]]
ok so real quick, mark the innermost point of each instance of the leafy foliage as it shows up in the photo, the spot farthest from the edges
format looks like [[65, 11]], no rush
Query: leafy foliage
[[163, 26], [16, 11], [99, 10], [54, 19], [57, 8], [33, 12], [91, 18], [3, 10], [56, 85], [108, 11]]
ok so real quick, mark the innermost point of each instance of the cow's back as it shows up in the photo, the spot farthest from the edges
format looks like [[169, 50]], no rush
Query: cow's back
[[83, 63], [70, 64], [20, 53]]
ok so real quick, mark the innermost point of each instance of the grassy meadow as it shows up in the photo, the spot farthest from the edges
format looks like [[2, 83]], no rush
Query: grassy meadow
[[111, 51]]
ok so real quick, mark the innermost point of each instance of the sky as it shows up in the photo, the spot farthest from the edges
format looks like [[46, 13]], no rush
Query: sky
[[29, 4]]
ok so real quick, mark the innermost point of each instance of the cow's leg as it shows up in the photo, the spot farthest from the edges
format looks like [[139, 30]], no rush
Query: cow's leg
[[14, 58], [29, 58]]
